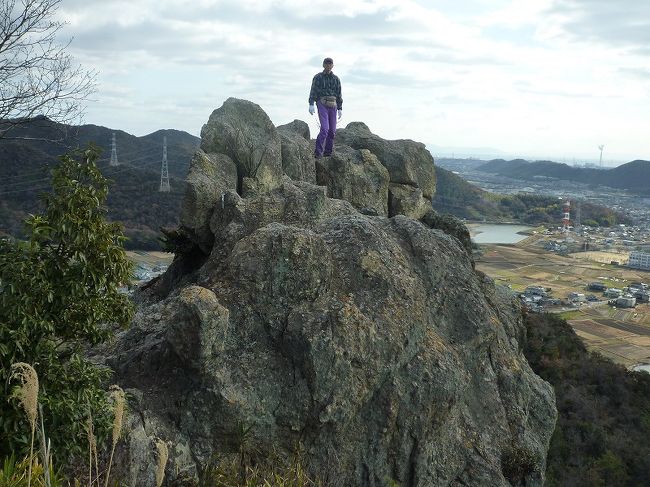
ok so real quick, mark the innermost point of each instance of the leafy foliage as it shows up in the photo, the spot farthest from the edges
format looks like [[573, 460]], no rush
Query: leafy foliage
[[517, 462], [15, 473], [59, 293], [603, 410]]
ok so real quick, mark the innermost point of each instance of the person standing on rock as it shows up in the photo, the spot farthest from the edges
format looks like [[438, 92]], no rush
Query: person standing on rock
[[326, 94]]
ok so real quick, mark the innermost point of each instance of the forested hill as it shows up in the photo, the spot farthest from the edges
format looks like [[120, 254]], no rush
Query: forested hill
[[456, 196], [633, 176], [134, 199], [47, 140], [603, 410]]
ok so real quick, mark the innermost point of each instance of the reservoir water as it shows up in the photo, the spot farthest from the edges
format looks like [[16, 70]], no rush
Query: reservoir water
[[642, 368], [490, 233]]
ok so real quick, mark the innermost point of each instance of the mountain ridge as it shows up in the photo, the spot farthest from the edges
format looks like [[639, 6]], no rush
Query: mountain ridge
[[632, 176], [134, 199]]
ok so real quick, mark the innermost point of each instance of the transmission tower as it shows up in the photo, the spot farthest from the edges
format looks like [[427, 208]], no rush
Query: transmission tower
[[577, 220], [164, 172], [114, 161], [601, 147]]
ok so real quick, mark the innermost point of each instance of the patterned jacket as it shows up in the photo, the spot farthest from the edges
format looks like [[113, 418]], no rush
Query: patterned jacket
[[326, 85]]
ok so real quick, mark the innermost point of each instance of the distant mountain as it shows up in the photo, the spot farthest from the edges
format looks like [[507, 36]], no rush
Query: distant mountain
[[633, 176], [54, 139], [27, 158], [456, 196]]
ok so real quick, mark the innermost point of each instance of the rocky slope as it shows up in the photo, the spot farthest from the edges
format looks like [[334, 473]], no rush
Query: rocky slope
[[344, 319]]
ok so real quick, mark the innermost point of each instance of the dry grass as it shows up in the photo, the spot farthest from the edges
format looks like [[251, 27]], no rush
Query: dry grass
[[163, 455], [92, 448], [272, 473], [117, 394], [27, 394]]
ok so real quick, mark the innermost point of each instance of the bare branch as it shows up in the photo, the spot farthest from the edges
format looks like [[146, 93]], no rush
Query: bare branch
[[37, 75]]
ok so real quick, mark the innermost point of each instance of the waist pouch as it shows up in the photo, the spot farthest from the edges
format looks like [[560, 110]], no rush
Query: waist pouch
[[328, 101]]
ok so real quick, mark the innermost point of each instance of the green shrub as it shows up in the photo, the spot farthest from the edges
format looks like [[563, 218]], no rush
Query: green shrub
[[518, 462], [59, 294]]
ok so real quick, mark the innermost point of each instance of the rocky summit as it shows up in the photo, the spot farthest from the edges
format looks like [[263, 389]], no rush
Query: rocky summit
[[323, 306]]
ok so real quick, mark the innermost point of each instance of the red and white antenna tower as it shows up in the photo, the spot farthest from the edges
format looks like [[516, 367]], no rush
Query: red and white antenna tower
[[566, 218]]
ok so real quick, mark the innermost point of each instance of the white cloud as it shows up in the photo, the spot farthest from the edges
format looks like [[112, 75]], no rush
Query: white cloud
[[500, 73]]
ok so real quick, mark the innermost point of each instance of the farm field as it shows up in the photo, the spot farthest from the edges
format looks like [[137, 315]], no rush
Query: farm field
[[623, 335], [150, 257]]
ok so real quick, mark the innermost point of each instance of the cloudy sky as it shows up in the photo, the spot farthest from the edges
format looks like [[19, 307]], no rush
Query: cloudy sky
[[531, 78]]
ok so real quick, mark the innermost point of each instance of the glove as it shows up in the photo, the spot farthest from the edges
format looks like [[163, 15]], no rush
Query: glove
[[311, 109], [340, 113]]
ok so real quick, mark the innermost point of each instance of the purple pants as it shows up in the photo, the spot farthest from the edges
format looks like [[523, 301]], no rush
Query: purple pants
[[327, 118]]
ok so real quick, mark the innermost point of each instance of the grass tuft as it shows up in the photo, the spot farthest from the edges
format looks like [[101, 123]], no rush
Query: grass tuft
[[27, 394], [163, 455], [119, 400]]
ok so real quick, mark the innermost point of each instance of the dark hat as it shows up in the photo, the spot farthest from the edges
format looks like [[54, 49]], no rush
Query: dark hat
[[328, 60]]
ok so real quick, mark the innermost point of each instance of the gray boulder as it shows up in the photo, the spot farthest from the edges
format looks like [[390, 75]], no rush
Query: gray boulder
[[244, 132], [451, 226], [407, 200], [369, 341], [408, 162], [297, 153], [297, 127], [355, 176], [209, 177]]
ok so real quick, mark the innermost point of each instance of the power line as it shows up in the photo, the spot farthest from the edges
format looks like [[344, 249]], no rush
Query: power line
[[15, 184], [123, 168]]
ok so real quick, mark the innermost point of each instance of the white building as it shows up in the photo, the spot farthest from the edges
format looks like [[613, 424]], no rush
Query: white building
[[639, 260]]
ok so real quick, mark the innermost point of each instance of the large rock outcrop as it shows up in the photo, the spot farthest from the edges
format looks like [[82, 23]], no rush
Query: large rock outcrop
[[408, 201], [297, 152], [244, 132], [356, 176], [209, 177], [408, 162], [367, 341]]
